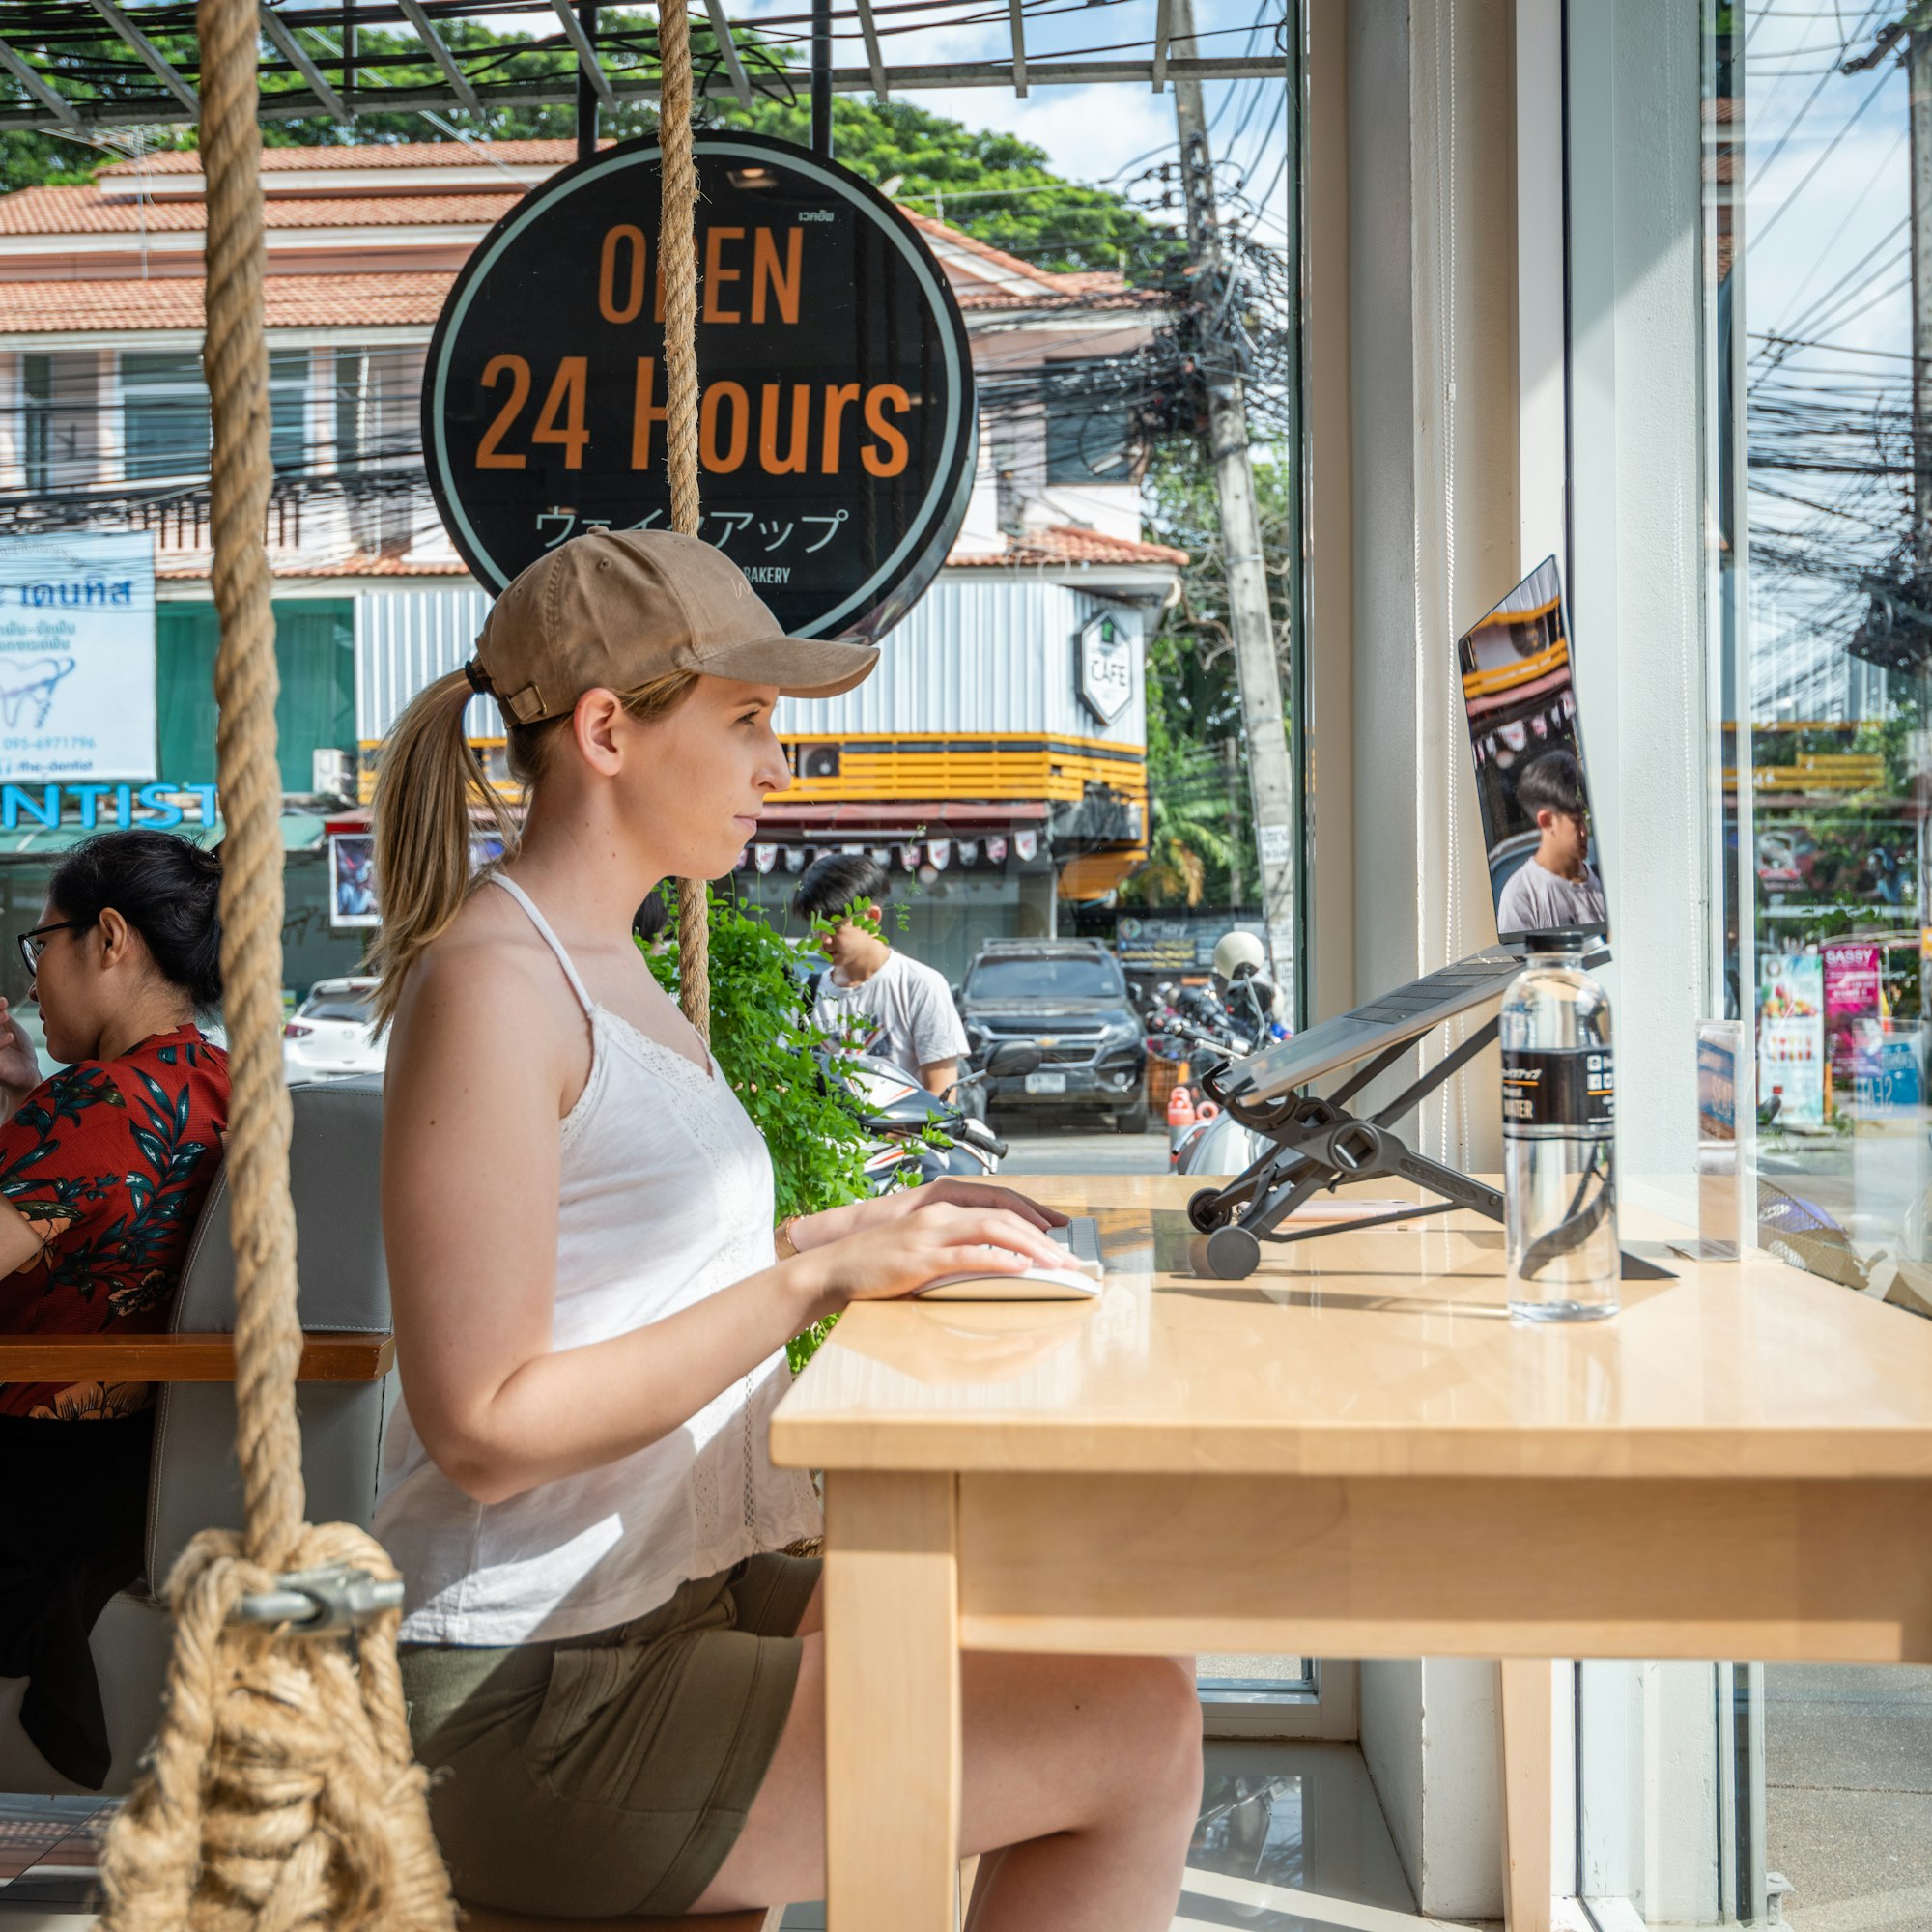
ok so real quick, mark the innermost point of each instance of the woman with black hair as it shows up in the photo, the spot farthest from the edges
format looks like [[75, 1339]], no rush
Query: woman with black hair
[[103, 1169]]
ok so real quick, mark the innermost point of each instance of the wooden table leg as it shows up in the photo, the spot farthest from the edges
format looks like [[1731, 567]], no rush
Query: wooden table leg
[[892, 1702], [1526, 1769]]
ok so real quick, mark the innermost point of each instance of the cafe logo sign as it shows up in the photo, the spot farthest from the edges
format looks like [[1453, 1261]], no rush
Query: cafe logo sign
[[837, 428], [1107, 666]]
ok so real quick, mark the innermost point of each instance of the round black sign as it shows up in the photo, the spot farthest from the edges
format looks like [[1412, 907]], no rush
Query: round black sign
[[838, 432]]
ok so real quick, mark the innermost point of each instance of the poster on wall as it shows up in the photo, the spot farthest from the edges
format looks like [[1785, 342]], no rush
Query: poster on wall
[[1791, 1038], [77, 657], [1853, 1008], [352, 879]]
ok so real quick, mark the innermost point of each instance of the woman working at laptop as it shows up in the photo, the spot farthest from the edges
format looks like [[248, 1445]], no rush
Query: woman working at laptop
[[608, 1658]]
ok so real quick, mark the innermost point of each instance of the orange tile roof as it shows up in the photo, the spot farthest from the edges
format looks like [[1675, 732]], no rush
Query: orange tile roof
[[175, 301], [1065, 544], [80, 210], [372, 154], [350, 566], [971, 301]]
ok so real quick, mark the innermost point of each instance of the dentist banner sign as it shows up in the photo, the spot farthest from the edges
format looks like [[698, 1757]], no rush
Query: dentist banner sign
[[77, 657]]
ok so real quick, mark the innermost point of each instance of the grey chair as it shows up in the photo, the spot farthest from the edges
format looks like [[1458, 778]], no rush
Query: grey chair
[[194, 1482]]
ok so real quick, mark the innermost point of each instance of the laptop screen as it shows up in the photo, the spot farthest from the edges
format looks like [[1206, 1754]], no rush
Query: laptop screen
[[1545, 871]]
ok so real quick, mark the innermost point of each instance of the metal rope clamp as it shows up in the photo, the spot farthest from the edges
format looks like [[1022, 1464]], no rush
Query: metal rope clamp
[[338, 1596]]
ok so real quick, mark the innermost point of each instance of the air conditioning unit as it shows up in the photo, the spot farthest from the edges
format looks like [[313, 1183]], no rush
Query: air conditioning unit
[[818, 761], [332, 774]]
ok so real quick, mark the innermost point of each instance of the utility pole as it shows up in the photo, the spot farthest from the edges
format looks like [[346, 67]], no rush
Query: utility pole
[[1915, 29], [1270, 770], [1918, 85]]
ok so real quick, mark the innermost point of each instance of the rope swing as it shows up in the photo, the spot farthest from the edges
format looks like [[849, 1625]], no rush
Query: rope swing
[[677, 244], [282, 1791]]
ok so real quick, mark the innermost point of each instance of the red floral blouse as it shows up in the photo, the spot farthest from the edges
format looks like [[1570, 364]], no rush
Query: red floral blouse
[[110, 1160]]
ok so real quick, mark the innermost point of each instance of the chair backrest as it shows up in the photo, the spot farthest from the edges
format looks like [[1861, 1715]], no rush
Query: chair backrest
[[334, 1160]]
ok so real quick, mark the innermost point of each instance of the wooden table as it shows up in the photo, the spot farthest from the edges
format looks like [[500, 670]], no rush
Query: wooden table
[[1354, 1453]]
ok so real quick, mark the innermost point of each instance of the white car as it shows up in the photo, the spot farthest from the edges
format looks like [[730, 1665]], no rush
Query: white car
[[332, 1034]]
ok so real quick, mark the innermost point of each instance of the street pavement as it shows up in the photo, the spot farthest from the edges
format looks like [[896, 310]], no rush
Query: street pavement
[[1076, 1146], [1848, 1821]]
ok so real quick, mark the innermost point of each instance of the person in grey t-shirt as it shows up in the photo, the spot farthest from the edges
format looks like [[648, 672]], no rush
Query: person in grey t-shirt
[[905, 1011], [1556, 887]]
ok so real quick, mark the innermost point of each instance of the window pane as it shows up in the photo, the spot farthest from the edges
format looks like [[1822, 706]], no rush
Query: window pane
[[1827, 514], [1735, 1791], [288, 407], [164, 414], [1089, 426]]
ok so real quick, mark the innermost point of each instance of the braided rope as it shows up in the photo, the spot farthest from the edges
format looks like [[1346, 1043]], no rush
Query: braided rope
[[677, 244], [282, 1792]]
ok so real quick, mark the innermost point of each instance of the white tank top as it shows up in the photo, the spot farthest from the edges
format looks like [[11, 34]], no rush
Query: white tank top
[[667, 1198]]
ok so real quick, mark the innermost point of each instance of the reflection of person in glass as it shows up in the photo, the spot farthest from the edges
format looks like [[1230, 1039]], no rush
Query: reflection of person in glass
[[1556, 887], [355, 887]]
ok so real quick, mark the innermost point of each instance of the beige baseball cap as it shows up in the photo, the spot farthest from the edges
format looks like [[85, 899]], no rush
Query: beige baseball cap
[[618, 608]]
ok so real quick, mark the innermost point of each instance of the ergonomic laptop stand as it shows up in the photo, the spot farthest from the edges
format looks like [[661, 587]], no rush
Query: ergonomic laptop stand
[[1317, 1145]]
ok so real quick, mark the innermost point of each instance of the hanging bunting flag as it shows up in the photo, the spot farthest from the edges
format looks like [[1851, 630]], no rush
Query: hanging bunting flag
[[996, 851], [969, 852], [764, 857], [851, 851], [1026, 844], [882, 855], [909, 858], [1516, 734], [1540, 725], [794, 858], [738, 864], [940, 852]]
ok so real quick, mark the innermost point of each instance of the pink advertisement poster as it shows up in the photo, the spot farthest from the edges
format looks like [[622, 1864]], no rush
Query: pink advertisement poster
[[1850, 995]]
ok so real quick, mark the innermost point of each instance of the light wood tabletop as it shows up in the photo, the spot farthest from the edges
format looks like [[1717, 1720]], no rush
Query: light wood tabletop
[[1353, 1453], [1377, 1354]]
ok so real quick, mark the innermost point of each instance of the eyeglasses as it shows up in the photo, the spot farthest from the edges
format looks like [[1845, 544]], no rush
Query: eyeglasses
[[32, 944]]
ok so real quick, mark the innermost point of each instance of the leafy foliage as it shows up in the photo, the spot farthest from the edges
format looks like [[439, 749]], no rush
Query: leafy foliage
[[1197, 765]]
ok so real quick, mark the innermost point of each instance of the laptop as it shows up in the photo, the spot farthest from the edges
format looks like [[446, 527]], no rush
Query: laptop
[[1544, 868]]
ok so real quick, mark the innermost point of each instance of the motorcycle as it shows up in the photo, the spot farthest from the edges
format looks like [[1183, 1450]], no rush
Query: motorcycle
[[897, 1112], [1230, 1030]]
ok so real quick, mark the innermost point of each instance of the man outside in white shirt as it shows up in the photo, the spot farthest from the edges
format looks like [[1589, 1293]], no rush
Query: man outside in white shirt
[[1555, 889], [906, 1011]]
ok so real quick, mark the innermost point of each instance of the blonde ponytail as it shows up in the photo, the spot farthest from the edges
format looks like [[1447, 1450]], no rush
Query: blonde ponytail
[[425, 785]]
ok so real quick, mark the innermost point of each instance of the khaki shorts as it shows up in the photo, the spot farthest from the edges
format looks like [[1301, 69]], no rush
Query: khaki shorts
[[609, 1775]]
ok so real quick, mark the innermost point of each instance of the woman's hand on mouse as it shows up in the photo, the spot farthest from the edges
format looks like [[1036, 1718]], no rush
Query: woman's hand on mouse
[[901, 1257], [836, 1224]]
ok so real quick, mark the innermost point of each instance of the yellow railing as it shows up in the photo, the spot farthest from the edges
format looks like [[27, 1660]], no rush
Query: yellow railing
[[1525, 670], [1815, 772]]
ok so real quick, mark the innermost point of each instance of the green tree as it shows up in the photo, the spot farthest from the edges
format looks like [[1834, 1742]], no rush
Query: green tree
[[993, 186], [1194, 705]]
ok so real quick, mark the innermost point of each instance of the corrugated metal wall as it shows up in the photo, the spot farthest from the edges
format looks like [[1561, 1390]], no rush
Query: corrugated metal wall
[[981, 655], [973, 655], [407, 638]]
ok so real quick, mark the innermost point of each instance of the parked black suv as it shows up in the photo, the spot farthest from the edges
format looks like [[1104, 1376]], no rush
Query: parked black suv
[[1068, 998]]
